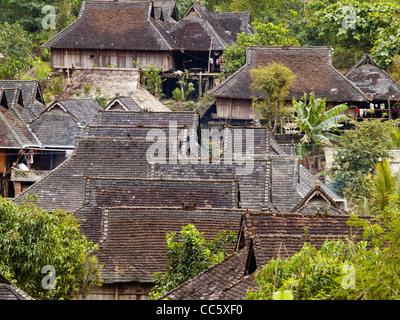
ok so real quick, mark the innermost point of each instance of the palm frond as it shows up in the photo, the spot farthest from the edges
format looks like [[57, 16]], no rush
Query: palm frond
[[383, 185]]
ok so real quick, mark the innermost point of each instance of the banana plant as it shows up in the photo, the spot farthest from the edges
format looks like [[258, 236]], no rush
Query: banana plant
[[316, 123]]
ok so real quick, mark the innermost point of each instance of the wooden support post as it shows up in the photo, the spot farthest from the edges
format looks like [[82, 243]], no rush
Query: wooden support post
[[66, 54], [209, 56]]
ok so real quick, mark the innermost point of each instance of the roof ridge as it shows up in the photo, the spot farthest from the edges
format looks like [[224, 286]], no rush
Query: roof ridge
[[173, 208], [166, 179]]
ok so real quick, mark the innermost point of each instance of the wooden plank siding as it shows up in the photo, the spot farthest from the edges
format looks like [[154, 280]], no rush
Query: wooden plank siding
[[234, 108], [121, 291], [91, 58]]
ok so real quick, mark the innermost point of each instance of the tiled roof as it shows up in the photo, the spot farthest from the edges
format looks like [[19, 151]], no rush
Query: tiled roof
[[31, 97], [312, 66], [64, 187], [9, 291], [318, 200], [306, 178], [252, 184], [124, 131], [114, 25], [133, 244], [266, 236], [285, 192], [284, 234], [111, 192], [62, 121], [13, 131], [374, 81], [225, 280], [234, 22], [161, 119], [169, 11], [197, 29], [126, 103]]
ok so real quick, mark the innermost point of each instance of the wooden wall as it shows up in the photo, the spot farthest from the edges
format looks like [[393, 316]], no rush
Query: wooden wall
[[121, 291], [87, 59], [231, 108]]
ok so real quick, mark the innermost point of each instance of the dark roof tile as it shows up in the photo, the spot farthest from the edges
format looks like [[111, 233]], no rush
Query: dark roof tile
[[113, 25], [312, 66], [374, 81], [109, 192], [133, 244]]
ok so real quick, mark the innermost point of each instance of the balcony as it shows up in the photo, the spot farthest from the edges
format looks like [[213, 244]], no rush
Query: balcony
[[27, 176]]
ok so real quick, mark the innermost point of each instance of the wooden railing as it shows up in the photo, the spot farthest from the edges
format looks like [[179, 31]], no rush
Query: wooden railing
[[28, 176]]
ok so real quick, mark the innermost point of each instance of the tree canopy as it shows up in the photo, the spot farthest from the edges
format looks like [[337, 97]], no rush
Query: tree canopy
[[188, 256], [34, 242], [270, 85]]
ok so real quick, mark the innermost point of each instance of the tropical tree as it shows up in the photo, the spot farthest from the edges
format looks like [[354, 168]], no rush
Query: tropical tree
[[383, 190], [16, 45], [356, 155], [270, 85], [316, 123], [361, 27], [188, 256], [44, 253]]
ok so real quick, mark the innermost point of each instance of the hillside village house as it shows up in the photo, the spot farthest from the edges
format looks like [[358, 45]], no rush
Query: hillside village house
[[34, 138], [20, 102], [314, 73], [132, 34], [383, 90]]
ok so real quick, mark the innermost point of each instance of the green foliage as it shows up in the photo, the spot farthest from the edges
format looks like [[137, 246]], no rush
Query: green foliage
[[16, 45], [271, 84], [86, 89], [310, 274], [42, 70], [264, 34], [31, 238], [29, 12], [356, 155], [54, 87], [186, 87], [101, 99], [383, 191], [316, 123], [189, 256], [376, 28], [151, 79], [368, 269], [394, 67]]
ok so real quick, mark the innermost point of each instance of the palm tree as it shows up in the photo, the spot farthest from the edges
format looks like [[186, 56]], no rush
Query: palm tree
[[316, 123], [384, 191]]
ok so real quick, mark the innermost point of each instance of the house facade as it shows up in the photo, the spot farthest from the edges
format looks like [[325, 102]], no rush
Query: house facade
[[314, 74], [136, 34], [383, 90]]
